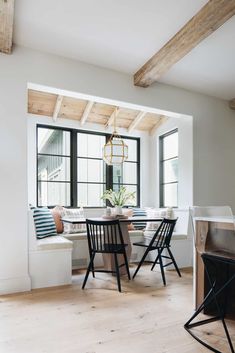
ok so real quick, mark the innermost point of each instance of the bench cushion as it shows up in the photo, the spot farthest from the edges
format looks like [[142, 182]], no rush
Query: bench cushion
[[136, 233], [54, 243], [175, 236], [75, 236], [80, 236]]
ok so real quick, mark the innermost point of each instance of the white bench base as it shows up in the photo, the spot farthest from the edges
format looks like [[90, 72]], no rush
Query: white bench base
[[50, 268], [50, 259]]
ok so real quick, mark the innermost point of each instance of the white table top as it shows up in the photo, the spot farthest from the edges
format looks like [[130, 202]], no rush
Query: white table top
[[219, 219], [128, 220]]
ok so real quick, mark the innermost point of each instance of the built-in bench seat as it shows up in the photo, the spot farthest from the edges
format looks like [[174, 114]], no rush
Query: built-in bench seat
[[50, 259], [75, 236], [83, 235], [56, 242]]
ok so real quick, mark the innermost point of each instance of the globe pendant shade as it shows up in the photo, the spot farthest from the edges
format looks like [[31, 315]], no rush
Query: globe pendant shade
[[115, 151]]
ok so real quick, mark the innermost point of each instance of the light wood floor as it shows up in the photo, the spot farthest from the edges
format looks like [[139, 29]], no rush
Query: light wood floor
[[145, 318]]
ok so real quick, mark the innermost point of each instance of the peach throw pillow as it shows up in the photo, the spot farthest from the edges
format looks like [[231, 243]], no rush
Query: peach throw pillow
[[56, 213]]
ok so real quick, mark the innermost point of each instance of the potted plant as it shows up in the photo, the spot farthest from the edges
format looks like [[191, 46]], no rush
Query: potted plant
[[118, 198]]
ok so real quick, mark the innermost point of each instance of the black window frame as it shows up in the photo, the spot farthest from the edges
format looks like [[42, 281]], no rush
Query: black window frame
[[74, 159], [161, 169]]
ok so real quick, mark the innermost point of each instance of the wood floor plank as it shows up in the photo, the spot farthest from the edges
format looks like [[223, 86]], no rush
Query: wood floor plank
[[146, 317]]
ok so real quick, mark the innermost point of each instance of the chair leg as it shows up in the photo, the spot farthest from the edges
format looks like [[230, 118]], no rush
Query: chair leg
[[92, 268], [89, 268], [174, 262], [221, 314], [161, 266], [127, 265], [117, 272], [155, 262], [210, 297], [140, 263]]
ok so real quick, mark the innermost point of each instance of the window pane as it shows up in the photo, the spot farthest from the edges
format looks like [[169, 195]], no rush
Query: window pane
[[90, 145], [90, 195], [118, 174], [170, 195], [51, 194], [91, 170], [52, 141], [129, 173], [125, 173], [170, 170], [53, 168], [130, 188], [170, 146], [132, 149]]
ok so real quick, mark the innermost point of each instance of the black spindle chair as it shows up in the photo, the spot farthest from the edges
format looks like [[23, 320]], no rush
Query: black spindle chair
[[160, 242], [215, 243], [105, 237]]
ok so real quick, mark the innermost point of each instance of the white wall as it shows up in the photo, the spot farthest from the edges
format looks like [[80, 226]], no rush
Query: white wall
[[213, 135], [185, 177]]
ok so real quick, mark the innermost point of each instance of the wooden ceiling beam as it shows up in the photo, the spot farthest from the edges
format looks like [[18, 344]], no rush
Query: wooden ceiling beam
[[6, 25], [57, 107], [137, 120], [161, 120], [211, 16], [114, 114], [86, 112], [232, 104]]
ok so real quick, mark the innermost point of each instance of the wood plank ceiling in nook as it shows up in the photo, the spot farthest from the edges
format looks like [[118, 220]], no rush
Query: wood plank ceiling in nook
[[62, 107]]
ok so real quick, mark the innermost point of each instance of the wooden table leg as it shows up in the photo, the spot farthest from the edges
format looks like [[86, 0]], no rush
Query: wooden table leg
[[109, 262]]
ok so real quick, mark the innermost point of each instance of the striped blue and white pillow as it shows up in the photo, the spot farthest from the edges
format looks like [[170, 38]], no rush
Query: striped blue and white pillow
[[44, 222], [139, 212]]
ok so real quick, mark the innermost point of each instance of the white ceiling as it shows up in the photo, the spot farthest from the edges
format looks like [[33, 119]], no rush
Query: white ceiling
[[123, 34]]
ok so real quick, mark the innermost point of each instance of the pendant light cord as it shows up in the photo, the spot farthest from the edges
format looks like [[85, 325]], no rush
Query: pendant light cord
[[114, 122]]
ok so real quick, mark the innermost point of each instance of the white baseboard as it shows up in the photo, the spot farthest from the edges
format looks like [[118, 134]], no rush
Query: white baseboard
[[14, 285]]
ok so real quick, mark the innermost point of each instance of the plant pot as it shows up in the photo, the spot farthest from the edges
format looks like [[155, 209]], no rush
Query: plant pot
[[118, 210]]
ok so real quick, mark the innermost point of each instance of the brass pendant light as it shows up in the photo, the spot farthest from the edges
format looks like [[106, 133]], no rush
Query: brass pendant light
[[115, 151]]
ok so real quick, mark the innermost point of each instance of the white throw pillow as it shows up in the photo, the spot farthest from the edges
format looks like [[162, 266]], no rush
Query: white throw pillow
[[154, 213], [73, 213]]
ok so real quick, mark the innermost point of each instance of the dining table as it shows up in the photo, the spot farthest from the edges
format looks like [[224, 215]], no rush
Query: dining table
[[124, 221]]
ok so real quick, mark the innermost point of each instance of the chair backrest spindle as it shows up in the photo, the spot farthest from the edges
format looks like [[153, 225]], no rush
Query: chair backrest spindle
[[103, 234], [162, 236]]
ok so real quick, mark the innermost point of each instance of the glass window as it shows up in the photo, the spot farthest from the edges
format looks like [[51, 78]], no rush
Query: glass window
[[169, 169], [130, 188], [127, 173], [90, 145], [51, 194], [53, 141], [89, 195], [132, 149], [90, 170], [71, 170], [170, 145], [53, 167]]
